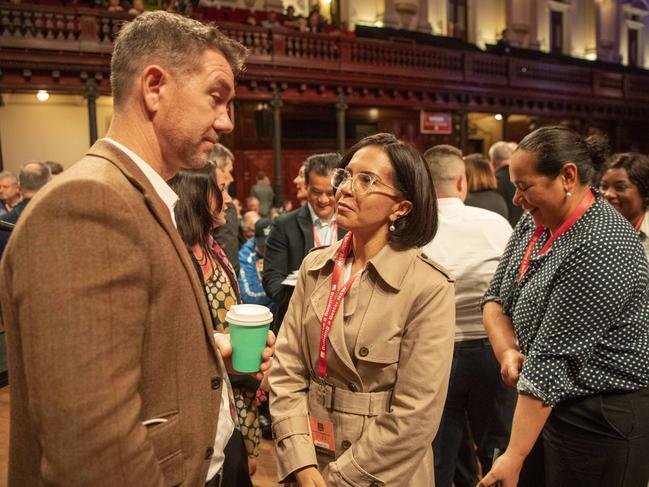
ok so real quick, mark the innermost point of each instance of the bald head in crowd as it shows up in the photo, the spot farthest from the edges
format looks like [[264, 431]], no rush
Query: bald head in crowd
[[500, 153], [448, 170], [33, 176], [248, 223]]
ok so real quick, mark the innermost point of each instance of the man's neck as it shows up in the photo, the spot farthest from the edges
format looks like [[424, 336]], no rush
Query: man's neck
[[500, 165], [14, 201], [142, 141]]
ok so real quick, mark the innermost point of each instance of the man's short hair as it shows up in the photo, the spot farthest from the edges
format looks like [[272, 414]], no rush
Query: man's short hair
[[9, 175], [171, 41], [261, 175], [220, 155], [55, 167], [446, 164], [442, 150], [321, 164], [33, 176], [499, 152]]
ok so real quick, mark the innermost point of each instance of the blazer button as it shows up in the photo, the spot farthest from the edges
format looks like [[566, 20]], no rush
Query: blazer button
[[363, 352], [216, 382], [208, 453], [352, 387], [374, 484], [346, 444]]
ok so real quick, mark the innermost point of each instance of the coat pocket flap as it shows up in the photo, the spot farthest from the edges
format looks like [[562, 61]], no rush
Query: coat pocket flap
[[378, 351], [165, 437]]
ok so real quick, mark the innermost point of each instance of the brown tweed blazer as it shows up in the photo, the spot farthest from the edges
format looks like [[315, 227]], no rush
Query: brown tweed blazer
[[107, 327]]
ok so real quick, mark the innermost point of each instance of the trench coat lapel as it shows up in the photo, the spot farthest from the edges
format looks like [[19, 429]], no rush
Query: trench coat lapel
[[318, 301], [160, 212]]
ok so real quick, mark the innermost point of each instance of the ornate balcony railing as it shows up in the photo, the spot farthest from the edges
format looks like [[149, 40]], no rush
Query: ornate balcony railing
[[66, 30]]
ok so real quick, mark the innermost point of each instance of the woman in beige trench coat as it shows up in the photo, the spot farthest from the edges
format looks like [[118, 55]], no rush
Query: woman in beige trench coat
[[361, 406]]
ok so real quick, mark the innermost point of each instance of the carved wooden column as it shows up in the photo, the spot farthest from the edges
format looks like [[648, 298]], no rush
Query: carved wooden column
[[90, 94], [464, 128], [341, 108], [276, 104]]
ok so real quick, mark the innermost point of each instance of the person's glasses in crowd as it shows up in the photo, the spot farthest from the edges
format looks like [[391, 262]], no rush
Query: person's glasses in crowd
[[362, 182]]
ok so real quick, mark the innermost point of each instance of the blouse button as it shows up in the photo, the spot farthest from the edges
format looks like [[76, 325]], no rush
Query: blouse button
[[363, 352]]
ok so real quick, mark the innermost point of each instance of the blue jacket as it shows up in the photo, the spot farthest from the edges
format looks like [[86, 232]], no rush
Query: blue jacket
[[250, 268]]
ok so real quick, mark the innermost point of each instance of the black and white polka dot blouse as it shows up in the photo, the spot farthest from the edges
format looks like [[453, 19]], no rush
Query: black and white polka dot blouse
[[581, 313]]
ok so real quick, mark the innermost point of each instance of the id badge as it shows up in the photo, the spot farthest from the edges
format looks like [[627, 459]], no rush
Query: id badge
[[322, 433]]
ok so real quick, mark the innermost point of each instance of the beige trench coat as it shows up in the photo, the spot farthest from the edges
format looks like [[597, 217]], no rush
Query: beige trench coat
[[388, 394]]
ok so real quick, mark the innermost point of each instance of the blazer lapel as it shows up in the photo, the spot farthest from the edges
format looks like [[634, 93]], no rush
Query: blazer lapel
[[306, 226], [161, 213]]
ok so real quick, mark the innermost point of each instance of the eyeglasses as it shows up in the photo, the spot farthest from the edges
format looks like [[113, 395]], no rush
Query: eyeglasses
[[361, 182]]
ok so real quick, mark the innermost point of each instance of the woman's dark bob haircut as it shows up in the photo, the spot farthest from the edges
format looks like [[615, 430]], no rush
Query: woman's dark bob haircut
[[195, 188], [412, 178], [556, 146], [637, 169]]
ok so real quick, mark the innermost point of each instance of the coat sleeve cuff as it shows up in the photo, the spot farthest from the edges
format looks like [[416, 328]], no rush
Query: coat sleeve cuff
[[294, 446], [351, 472]]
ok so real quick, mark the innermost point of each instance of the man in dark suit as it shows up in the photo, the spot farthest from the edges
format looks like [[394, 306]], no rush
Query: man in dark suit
[[116, 378], [293, 235], [33, 176]]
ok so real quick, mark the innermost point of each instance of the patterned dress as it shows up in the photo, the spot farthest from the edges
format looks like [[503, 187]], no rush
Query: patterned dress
[[223, 292]]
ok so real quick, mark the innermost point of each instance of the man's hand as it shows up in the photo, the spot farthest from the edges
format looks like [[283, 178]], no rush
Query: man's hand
[[222, 341], [505, 470], [310, 477], [511, 364]]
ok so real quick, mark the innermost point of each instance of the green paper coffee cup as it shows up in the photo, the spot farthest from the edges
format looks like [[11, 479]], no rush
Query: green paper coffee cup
[[248, 324]]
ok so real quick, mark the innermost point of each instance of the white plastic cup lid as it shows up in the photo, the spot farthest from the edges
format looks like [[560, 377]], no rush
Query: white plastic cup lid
[[249, 315]]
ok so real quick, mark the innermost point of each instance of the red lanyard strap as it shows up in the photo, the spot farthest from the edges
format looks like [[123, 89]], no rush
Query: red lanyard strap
[[332, 239], [336, 296], [638, 223], [576, 214]]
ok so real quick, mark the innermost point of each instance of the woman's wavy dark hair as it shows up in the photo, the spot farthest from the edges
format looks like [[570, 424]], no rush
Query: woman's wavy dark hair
[[194, 218], [556, 146], [412, 178], [637, 168]]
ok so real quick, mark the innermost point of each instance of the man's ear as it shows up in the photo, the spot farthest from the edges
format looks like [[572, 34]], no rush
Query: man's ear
[[154, 79]]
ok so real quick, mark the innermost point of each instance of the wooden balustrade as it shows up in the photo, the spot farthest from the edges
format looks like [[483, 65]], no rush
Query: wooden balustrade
[[39, 28]]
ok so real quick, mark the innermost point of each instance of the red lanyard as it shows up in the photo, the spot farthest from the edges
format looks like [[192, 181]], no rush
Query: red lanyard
[[638, 224], [576, 214], [334, 235], [334, 300]]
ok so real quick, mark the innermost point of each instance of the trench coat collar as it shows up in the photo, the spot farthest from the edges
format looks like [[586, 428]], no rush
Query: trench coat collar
[[161, 212], [390, 264]]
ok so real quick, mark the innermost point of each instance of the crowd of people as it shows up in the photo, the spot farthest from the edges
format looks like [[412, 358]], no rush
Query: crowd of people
[[441, 318]]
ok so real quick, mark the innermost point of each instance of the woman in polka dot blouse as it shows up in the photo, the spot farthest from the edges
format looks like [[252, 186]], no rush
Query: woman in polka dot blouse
[[567, 314]]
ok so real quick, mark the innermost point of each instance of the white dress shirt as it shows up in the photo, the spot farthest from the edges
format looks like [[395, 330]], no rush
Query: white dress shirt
[[225, 426], [324, 229], [469, 243]]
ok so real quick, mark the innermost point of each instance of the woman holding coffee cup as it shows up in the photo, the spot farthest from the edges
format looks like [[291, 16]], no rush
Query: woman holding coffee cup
[[203, 199], [363, 356]]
